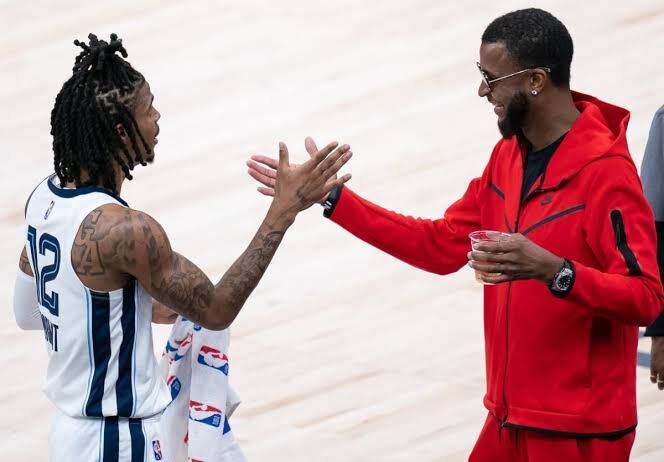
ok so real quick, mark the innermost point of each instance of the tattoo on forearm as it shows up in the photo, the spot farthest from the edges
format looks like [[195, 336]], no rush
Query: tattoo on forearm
[[190, 290], [243, 276]]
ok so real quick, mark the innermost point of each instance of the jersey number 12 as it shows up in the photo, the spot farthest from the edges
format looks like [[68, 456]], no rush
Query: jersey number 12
[[47, 243]]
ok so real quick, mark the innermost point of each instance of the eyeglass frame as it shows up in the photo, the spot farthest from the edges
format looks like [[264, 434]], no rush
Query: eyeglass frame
[[488, 81]]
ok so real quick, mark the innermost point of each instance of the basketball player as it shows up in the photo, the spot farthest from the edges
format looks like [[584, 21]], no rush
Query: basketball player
[[577, 275], [97, 264]]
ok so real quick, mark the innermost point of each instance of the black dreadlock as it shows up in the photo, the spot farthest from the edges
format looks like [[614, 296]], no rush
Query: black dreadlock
[[100, 94]]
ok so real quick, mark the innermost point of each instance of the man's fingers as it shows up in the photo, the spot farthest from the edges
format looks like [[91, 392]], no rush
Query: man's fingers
[[331, 184], [321, 155], [263, 179], [271, 172], [268, 172], [479, 256], [283, 155], [494, 247], [502, 268], [485, 267], [310, 146], [336, 166], [344, 179], [269, 161], [266, 191], [330, 160]]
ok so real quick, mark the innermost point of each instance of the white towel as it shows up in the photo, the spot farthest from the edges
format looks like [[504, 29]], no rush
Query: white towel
[[195, 425]]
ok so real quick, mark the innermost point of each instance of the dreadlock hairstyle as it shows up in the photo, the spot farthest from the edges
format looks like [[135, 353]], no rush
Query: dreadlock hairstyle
[[535, 38], [100, 94]]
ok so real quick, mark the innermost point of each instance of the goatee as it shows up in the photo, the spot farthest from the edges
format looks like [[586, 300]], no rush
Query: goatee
[[516, 111]]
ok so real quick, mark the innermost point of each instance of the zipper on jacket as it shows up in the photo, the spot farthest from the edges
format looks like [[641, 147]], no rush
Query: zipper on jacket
[[622, 244], [536, 191]]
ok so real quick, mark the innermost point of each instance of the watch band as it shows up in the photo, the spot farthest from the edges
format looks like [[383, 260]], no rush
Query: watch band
[[331, 201]]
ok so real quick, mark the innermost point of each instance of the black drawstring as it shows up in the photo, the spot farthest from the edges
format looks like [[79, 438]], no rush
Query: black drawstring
[[500, 429]]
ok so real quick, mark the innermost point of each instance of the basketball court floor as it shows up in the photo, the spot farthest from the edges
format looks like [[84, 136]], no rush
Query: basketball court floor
[[342, 353]]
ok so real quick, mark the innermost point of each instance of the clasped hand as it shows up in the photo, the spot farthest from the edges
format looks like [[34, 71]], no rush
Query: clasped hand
[[511, 259]]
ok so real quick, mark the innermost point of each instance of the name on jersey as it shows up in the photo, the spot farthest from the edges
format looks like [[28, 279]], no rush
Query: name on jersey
[[50, 332]]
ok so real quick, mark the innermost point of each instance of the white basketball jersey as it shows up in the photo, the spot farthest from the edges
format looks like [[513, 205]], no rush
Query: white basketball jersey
[[101, 357]]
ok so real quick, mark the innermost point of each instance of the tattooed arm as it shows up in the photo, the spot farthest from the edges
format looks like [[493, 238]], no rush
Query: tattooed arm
[[179, 284], [114, 241]]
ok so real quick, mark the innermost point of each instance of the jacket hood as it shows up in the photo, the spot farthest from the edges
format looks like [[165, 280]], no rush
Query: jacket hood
[[600, 131]]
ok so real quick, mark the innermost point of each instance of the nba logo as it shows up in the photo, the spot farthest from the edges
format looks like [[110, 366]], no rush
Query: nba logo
[[176, 352], [204, 413], [156, 449], [175, 386], [48, 211], [211, 357]]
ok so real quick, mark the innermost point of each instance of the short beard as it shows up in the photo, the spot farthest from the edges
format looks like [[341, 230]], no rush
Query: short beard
[[516, 111]]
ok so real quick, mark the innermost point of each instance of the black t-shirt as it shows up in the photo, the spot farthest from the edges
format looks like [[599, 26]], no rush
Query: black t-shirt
[[535, 165]]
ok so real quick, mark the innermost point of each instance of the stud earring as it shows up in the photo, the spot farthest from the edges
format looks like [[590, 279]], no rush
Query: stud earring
[[534, 92]]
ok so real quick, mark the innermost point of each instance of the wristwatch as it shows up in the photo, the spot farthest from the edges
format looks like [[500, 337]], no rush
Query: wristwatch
[[563, 280], [331, 201]]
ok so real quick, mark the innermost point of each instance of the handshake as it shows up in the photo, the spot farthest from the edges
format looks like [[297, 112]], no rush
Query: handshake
[[297, 187]]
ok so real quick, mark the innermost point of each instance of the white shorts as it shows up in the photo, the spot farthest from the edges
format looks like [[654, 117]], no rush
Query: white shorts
[[110, 439]]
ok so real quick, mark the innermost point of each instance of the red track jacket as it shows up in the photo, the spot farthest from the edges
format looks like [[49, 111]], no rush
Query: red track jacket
[[561, 364]]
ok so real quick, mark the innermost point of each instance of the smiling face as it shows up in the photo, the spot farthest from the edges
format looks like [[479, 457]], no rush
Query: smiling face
[[508, 97]]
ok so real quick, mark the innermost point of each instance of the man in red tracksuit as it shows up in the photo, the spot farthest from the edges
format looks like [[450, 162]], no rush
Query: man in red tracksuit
[[577, 275]]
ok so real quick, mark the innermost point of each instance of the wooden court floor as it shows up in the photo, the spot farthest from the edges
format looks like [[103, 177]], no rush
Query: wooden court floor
[[342, 354]]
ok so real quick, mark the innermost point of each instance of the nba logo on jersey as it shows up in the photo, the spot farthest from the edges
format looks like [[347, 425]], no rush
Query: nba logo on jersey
[[204, 413], [211, 357], [175, 386], [48, 210], [156, 449]]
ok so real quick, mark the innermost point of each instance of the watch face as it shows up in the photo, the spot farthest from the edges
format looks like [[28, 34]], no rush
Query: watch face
[[564, 280]]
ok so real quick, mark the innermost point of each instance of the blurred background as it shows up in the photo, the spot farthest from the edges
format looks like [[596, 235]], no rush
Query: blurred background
[[342, 353]]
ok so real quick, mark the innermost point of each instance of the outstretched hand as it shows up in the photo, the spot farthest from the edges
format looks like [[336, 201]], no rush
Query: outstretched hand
[[297, 187], [263, 169]]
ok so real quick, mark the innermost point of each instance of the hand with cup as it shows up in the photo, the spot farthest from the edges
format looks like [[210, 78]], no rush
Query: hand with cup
[[500, 257], [485, 236]]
